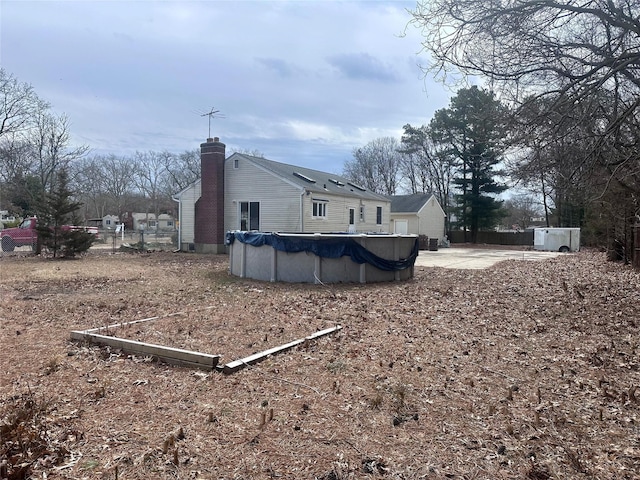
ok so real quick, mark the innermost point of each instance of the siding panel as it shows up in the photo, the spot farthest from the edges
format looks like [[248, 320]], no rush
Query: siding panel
[[432, 220], [187, 214], [338, 215], [279, 201]]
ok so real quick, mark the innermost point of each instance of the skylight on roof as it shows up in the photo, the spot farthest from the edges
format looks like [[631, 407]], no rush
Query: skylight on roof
[[304, 177], [355, 185], [337, 182]]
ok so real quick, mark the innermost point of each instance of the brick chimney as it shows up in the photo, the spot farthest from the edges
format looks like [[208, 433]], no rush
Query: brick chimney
[[209, 211]]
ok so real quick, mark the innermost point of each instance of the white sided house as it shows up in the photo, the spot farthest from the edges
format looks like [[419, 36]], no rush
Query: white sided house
[[148, 221], [419, 214], [109, 222], [263, 195]]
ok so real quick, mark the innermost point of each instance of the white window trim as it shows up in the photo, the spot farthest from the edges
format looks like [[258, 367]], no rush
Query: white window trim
[[239, 210], [321, 205]]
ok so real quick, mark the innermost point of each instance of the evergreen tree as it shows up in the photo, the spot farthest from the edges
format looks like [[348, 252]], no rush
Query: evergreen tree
[[473, 130], [57, 211]]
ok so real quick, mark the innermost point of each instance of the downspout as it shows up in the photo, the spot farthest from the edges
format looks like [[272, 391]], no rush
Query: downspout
[[179, 221], [304, 191]]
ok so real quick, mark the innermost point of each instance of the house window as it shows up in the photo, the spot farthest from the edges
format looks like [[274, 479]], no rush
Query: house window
[[169, 223], [319, 209], [362, 213], [107, 222], [235, 163], [249, 216], [378, 215], [152, 224]]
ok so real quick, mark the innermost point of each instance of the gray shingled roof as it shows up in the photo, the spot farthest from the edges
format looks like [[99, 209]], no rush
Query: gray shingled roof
[[314, 180], [409, 203]]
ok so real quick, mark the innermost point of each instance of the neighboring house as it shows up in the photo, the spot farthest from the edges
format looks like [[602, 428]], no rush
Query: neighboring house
[[110, 222], [264, 195], [419, 213], [148, 222], [6, 218], [166, 222]]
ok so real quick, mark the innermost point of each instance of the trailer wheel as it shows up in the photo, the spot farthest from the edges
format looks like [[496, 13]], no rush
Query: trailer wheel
[[564, 249], [7, 244]]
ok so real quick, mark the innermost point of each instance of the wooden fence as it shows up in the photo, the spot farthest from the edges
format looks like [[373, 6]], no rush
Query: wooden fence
[[495, 238]]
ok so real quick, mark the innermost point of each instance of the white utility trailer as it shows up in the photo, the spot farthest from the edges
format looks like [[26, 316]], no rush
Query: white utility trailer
[[556, 239]]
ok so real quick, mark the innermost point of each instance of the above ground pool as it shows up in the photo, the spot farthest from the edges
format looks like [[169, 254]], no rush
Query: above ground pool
[[322, 257]]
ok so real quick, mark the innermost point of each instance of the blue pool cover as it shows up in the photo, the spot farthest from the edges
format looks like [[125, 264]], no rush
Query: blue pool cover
[[327, 247]]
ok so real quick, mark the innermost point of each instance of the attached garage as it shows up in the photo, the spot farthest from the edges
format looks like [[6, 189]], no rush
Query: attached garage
[[401, 227]]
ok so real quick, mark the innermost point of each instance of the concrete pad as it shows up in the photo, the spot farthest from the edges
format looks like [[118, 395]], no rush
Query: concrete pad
[[477, 258]]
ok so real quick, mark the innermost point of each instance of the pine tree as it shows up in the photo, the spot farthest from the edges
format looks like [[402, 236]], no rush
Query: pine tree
[[58, 210], [473, 130]]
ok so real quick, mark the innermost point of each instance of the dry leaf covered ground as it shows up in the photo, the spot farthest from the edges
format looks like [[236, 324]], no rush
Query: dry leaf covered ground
[[523, 370]]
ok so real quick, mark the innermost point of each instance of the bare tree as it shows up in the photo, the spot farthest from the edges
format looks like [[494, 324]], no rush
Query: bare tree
[[113, 184], [34, 144], [414, 171], [577, 59], [152, 180], [376, 166], [553, 156], [566, 51], [51, 151], [118, 174], [520, 210], [546, 46], [86, 180], [428, 166], [182, 169], [106, 183], [15, 159], [32, 158], [245, 151], [19, 105]]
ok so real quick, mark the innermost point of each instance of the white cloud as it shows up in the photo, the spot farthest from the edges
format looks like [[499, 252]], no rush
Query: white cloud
[[297, 80]]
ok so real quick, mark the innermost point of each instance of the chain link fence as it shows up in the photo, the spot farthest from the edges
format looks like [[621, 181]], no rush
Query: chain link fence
[[137, 240], [108, 240]]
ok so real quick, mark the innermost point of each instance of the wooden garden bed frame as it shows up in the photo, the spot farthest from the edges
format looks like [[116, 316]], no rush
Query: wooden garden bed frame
[[178, 356]]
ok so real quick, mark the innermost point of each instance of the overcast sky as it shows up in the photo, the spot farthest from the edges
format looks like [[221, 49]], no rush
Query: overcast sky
[[303, 82]]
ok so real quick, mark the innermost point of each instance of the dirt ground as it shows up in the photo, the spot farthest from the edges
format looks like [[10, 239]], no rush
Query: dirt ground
[[525, 370]]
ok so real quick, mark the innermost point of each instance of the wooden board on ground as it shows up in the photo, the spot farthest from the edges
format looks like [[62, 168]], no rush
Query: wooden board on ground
[[175, 356], [236, 365]]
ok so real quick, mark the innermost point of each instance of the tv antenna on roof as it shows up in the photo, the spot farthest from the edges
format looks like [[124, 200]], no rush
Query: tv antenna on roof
[[213, 113]]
